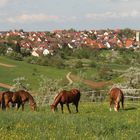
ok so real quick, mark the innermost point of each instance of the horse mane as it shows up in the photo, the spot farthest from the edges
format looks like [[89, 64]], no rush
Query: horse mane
[[57, 97], [30, 97]]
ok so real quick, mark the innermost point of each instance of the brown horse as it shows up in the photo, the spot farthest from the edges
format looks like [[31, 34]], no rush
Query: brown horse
[[66, 97], [1, 98], [116, 96], [21, 97], [6, 98]]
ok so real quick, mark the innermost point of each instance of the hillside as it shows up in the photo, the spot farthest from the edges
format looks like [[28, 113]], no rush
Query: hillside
[[30, 72]]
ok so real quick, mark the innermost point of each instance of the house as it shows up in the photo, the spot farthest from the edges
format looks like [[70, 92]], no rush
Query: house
[[46, 52], [129, 43]]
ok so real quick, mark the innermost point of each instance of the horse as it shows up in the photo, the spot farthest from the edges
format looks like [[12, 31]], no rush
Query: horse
[[21, 97], [0, 97], [66, 97], [6, 98], [116, 96]]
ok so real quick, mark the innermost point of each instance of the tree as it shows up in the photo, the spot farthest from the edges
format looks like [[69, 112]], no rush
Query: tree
[[132, 76], [17, 48], [20, 83], [48, 88], [128, 33], [3, 49]]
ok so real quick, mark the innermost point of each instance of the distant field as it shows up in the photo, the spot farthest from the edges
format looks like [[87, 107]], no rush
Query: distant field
[[29, 71], [11, 69], [93, 122]]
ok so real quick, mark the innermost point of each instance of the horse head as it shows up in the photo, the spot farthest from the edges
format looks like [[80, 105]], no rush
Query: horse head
[[53, 108], [33, 106]]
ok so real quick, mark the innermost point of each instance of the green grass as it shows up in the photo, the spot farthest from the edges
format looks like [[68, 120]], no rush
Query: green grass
[[33, 72], [29, 71], [93, 122]]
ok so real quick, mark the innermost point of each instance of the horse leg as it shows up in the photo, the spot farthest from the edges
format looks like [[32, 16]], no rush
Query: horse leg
[[76, 104], [22, 106], [110, 104], [116, 106], [7, 106], [68, 108], [61, 107], [122, 103], [18, 106]]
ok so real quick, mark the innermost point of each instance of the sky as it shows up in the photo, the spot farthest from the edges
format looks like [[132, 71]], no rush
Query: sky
[[48, 15]]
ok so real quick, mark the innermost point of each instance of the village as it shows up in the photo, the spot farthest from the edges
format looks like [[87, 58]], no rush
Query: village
[[46, 42]]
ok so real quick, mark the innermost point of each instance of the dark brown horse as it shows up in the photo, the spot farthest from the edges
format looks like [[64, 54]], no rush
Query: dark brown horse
[[66, 97], [19, 97], [116, 96]]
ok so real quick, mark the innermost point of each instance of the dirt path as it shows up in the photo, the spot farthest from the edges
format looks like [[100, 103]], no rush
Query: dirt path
[[2, 84], [5, 86], [69, 79], [6, 65], [95, 85]]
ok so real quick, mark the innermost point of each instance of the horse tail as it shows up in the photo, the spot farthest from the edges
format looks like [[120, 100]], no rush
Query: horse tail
[[3, 102], [122, 100], [119, 97], [79, 94]]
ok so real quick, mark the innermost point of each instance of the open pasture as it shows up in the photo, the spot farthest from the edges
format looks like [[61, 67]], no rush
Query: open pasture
[[93, 122], [30, 72]]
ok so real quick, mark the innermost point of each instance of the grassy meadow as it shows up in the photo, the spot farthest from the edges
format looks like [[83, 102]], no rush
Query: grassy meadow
[[31, 72], [93, 122]]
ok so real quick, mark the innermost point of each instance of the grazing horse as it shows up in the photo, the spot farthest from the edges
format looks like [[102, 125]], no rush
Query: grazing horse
[[21, 97], [1, 98], [116, 96], [66, 97], [6, 98]]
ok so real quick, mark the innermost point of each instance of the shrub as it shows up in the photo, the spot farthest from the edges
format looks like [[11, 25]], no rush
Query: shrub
[[31, 59], [79, 64], [15, 56], [105, 73], [93, 64], [2, 50]]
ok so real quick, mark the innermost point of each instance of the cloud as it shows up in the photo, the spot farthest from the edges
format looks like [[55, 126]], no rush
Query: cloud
[[109, 0], [3, 2], [119, 0], [113, 15], [32, 18]]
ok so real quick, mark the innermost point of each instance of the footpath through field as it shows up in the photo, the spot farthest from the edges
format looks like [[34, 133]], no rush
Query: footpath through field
[[6, 65], [95, 85], [5, 86]]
